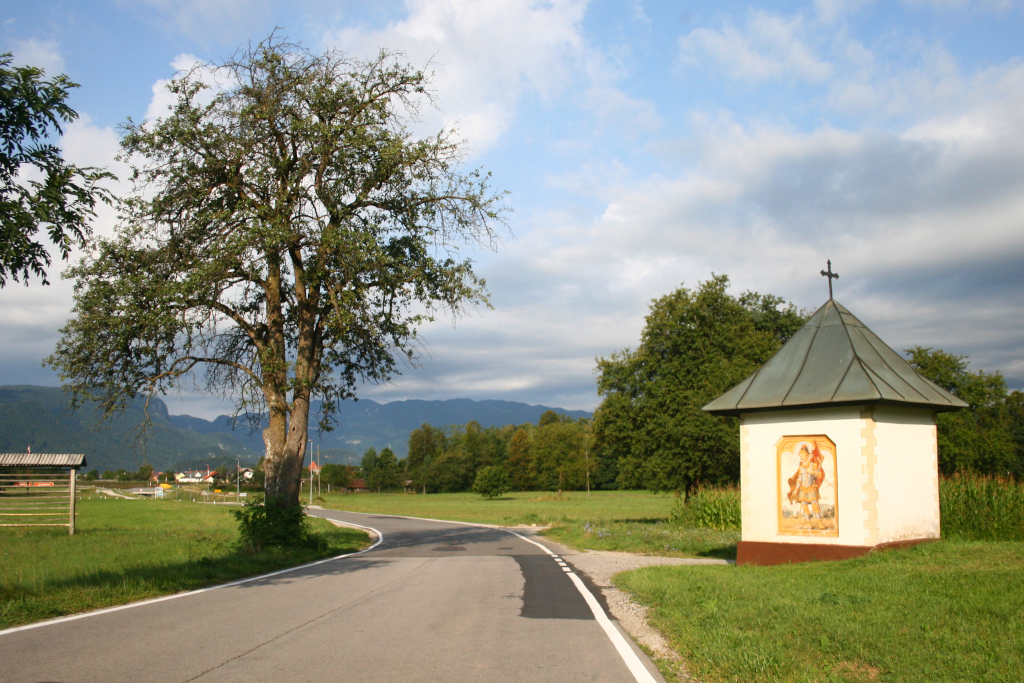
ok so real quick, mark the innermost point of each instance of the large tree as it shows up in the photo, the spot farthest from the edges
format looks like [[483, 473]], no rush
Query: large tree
[[981, 438], [695, 345], [62, 197], [287, 234]]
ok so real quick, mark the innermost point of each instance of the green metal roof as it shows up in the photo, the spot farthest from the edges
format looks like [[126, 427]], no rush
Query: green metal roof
[[834, 359]]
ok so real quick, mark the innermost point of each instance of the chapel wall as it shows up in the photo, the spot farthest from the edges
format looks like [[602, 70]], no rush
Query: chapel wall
[[907, 474], [763, 485]]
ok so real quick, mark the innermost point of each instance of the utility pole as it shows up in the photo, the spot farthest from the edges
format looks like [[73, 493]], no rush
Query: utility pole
[[310, 471], [238, 480], [318, 470]]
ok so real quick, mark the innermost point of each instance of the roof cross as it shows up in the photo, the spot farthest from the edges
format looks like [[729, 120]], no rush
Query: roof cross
[[830, 275]]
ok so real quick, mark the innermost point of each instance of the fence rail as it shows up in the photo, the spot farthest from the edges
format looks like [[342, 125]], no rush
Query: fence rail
[[34, 499]]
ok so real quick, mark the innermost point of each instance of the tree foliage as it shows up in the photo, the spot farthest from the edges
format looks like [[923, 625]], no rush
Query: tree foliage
[[695, 345], [287, 234], [386, 474], [552, 455], [979, 439], [338, 476], [64, 200]]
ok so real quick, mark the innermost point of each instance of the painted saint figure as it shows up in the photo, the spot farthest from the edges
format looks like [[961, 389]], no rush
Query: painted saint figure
[[804, 485]]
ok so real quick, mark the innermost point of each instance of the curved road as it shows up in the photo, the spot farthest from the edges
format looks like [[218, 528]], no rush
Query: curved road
[[432, 601]]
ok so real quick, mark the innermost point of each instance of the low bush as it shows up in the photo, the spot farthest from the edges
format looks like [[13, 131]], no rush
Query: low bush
[[492, 482], [978, 508], [264, 525]]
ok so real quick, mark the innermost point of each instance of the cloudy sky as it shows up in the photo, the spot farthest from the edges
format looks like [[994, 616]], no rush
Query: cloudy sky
[[645, 145]]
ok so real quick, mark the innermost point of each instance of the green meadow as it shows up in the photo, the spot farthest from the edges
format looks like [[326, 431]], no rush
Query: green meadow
[[520, 508], [946, 611], [627, 521], [128, 550]]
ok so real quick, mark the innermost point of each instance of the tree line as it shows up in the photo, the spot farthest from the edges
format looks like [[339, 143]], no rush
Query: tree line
[[649, 431], [556, 454]]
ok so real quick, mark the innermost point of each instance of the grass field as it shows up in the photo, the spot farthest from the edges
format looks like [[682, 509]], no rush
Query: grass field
[[127, 550], [947, 611], [627, 521], [530, 507]]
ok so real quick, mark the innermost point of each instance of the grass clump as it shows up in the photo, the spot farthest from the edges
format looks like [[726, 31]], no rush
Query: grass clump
[[128, 550], [709, 508], [980, 508], [934, 612]]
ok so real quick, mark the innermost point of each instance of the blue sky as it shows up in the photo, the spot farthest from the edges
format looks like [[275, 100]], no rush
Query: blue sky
[[644, 145]]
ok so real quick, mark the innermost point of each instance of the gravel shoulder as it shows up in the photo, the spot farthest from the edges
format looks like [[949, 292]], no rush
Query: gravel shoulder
[[601, 565]]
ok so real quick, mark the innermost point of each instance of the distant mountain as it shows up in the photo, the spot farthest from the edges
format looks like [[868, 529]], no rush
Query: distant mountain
[[365, 423], [39, 417]]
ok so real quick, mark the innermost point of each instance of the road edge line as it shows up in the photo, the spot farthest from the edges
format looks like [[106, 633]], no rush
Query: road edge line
[[164, 598], [629, 657]]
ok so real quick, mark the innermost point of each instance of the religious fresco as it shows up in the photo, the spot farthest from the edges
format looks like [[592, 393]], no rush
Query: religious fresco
[[807, 486]]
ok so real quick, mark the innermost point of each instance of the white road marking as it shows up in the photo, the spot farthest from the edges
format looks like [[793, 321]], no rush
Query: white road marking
[[629, 657], [130, 605]]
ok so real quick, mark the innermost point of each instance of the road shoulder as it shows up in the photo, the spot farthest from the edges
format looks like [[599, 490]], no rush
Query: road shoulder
[[599, 566]]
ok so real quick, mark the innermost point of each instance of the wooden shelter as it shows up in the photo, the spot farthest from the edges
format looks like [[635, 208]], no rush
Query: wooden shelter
[[38, 489], [838, 446]]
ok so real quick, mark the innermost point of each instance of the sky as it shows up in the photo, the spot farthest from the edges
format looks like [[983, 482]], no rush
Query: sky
[[644, 146]]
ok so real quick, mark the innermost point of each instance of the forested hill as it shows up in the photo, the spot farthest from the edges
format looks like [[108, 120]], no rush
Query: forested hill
[[38, 417], [363, 424]]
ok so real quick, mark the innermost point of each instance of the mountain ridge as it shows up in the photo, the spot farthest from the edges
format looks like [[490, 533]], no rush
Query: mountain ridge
[[39, 417]]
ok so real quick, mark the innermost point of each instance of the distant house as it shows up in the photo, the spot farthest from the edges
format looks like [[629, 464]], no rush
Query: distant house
[[247, 473], [197, 477], [357, 486], [189, 477]]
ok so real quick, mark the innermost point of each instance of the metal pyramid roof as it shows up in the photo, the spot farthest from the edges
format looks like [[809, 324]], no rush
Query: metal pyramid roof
[[833, 359]]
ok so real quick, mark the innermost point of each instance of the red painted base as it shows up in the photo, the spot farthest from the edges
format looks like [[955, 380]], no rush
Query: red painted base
[[765, 553]]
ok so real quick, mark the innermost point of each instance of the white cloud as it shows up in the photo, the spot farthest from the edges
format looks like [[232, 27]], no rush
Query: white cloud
[[85, 144], [615, 109], [767, 47], [486, 55], [163, 100], [44, 54]]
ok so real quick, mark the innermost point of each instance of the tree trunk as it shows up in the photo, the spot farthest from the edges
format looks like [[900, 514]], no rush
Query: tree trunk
[[285, 443]]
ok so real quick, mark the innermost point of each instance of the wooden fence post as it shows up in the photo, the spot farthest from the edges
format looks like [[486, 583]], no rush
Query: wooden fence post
[[71, 526]]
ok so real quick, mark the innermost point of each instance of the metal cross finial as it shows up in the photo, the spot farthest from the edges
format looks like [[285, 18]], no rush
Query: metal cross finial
[[830, 275]]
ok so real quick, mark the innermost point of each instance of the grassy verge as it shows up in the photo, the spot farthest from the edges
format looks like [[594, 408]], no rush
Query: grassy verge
[[627, 521], [948, 611], [124, 551], [530, 507], [650, 538]]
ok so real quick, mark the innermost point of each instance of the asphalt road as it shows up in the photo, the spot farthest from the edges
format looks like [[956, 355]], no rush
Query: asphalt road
[[433, 601]]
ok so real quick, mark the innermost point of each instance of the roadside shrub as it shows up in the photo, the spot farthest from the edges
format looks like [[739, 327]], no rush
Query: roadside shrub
[[981, 508], [709, 507], [265, 526], [492, 482]]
